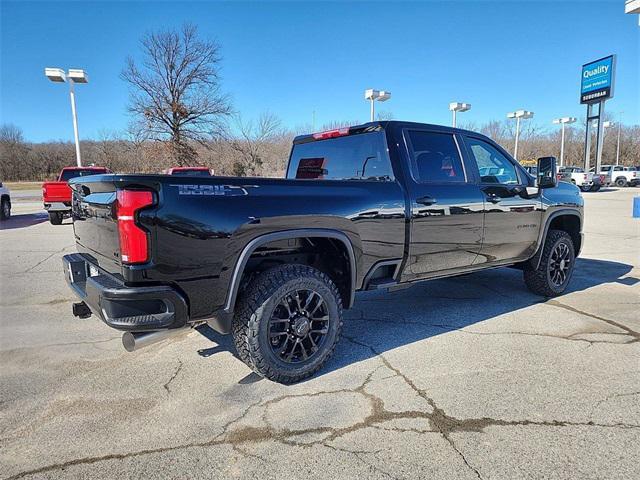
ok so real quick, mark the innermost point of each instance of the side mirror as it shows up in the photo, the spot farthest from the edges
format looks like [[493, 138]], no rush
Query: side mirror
[[547, 172]]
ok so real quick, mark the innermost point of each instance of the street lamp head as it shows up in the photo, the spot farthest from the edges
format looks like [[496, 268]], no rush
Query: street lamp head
[[520, 114], [55, 74], [558, 121], [78, 76], [371, 94], [459, 107], [383, 96]]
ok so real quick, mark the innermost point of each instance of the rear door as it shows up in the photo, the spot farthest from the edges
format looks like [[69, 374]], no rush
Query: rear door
[[446, 205], [512, 217]]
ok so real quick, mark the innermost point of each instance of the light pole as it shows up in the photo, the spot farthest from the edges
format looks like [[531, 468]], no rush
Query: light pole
[[562, 121], [518, 114], [618, 145], [458, 107], [605, 125], [373, 95], [58, 75]]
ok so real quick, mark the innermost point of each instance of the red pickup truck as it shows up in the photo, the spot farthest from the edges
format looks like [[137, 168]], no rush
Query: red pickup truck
[[56, 195]]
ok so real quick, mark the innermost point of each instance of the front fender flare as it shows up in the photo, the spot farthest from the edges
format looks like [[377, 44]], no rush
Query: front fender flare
[[535, 260]]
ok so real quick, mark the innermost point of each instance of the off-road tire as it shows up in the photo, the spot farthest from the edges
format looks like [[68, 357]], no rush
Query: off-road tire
[[621, 182], [538, 280], [55, 218], [5, 209], [255, 307], [594, 188], [585, 188]]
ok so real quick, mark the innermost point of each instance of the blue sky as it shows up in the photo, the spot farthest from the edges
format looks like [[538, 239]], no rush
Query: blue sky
[[291, 58]]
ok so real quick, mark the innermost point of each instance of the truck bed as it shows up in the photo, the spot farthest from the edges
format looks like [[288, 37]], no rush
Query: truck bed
[[198, 227]]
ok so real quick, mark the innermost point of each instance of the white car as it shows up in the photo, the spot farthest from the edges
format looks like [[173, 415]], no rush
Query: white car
[[5, 202], [620, 176], [587, 182]]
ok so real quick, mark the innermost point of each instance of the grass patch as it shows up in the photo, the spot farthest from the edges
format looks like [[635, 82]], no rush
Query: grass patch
[[23, 185]]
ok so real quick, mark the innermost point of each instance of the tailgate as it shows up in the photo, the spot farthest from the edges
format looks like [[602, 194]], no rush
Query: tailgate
[[56, 192], [94, 222]]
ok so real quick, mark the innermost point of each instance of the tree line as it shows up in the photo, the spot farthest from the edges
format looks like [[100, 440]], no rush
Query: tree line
[[180, 116]]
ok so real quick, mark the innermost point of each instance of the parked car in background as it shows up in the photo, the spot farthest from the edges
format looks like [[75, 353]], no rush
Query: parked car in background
[[189, 171], [5, 202], [275, 260], [56, 195], [619, 175], [586, 181]]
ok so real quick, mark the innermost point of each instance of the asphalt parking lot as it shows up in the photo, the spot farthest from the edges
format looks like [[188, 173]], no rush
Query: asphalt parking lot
[[472, 377]]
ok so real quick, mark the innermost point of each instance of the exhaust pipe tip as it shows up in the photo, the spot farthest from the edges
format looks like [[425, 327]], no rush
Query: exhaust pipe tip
[[128, 341], [132, 341]]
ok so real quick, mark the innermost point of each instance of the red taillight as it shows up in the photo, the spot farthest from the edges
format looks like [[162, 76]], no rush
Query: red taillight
[[338, 132], [586, 176], [134, 244]]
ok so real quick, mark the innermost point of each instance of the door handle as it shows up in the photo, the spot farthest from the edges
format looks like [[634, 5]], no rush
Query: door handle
[[493, 198], [426, 200]]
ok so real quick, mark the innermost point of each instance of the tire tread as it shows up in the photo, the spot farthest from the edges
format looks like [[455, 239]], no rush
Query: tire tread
[[246, 322]]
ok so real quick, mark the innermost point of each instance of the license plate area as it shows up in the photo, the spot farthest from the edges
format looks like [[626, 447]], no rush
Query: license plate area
[[92, 270]]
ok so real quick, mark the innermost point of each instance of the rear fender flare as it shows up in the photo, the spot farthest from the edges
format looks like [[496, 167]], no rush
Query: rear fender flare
[[241, 263]]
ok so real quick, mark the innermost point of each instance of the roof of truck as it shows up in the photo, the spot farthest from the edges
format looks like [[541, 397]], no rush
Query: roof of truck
[[372, 127]]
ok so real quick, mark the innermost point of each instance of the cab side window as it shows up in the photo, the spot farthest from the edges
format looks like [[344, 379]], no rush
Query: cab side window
[[493, 166], [436, 158]]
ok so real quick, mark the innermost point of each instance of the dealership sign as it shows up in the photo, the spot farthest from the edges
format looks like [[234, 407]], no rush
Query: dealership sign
[[596, 84]]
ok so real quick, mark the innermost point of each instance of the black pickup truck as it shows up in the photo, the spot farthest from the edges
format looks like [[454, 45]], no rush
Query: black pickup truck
[[275, 261]]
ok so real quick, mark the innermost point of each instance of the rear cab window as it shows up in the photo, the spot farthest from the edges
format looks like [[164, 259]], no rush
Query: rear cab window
[[362, 156], [69, 174]]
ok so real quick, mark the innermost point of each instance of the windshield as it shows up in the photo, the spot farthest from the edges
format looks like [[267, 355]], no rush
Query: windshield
[[69, 174]]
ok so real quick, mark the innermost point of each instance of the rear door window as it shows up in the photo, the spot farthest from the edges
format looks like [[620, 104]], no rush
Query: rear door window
[[353, 157], [435, 157]]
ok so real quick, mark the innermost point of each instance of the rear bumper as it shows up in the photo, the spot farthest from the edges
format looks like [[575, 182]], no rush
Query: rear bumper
[[122, 307], [57, 206]]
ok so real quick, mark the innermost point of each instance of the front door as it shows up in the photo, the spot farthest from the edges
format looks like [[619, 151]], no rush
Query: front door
[[512, 216], [446, 206]]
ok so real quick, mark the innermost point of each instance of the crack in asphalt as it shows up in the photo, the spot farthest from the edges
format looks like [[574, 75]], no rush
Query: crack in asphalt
[[45, 259], [67, 344], [629, 331], [454, 328], [175, 374], [443, 423], [438, 419]]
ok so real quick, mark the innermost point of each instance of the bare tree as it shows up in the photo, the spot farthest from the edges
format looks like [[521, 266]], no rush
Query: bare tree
[[13, 151], [175, 92], [252, 142]]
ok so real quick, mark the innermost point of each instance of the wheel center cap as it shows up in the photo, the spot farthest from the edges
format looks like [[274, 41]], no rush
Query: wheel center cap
[[301, 326]]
